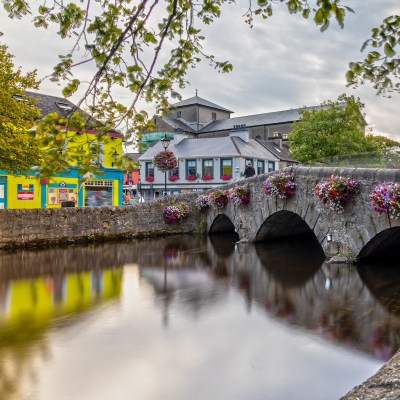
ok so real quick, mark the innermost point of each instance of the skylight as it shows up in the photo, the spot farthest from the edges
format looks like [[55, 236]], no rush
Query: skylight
[[63, 106]]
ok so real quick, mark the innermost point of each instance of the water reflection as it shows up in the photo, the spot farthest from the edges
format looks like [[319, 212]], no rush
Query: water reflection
[[182, 284]]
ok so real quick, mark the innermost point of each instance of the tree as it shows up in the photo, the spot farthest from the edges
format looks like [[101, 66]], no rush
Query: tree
[[127, 41], [382, 70], [18, 148], [334, 129]]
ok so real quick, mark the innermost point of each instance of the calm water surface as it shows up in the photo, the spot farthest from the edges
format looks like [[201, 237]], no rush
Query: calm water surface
[[184, 318]]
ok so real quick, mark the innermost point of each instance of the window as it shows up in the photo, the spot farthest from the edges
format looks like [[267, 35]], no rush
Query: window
[[149, 169], [271, 166], [260, 167], [191, 168], [214, 116], [174, 172], [179, 114], [226, 166], [63, 106], [97, 153], [208, 168]]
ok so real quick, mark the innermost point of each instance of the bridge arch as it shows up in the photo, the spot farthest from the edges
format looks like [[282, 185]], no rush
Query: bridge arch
[[221, 224], [382, 246], [283, 224]]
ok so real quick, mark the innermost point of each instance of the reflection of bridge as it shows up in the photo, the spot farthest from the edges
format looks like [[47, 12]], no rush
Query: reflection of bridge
[[358, 232]]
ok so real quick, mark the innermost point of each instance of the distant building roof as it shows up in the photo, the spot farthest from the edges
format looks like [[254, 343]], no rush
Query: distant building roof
[[271, 118], [133, 156], [213, 147], [200, 101], [281, 152]]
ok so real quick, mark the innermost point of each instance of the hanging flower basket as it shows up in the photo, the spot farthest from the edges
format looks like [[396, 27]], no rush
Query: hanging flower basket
[[239, 195], [336, 191], [218, 199], [226, 177], [206, 177], [191, 177], [149, 178], [202, 202], [173, 178], [165, 161], [385, 198], [175, 212], [280, 185]]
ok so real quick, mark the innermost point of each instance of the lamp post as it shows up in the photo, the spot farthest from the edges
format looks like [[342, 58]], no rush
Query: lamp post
[[115, 156], [165, 143]]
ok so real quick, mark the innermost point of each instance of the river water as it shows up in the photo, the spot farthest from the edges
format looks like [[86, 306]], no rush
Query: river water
[[186, 318]]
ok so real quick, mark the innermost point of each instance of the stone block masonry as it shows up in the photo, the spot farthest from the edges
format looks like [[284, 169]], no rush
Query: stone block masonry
[[49, 227]]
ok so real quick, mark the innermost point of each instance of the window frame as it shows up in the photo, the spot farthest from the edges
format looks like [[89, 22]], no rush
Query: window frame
[[149, 171], [187, 167], [263, 167], [203, 167], [222, 166]]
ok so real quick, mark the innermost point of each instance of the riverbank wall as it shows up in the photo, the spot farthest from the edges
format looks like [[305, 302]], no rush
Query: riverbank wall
[[49, 227]]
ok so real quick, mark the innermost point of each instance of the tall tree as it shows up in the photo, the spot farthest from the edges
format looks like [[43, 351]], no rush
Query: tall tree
[[148, 46], [19, 150], [334, 129]]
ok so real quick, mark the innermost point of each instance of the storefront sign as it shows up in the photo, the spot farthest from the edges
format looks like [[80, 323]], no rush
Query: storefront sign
[[24, 192]]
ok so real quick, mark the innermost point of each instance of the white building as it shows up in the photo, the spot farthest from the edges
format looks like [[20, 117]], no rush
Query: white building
[[204, 163]]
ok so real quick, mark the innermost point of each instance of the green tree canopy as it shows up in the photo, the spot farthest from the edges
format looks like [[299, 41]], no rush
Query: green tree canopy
[[334, 129], [19, 150], [148, 46]]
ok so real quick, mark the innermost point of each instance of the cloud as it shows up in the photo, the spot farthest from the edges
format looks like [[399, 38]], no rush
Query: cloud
[[284, 62]]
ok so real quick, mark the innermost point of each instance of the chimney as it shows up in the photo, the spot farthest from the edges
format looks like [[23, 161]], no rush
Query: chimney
[[278, 137], [240, 131]]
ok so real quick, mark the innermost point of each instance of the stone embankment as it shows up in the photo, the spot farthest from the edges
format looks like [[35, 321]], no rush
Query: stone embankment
[[384, 385], [49, 227]]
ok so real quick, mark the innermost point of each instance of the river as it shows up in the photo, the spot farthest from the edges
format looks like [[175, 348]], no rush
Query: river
[[188, 318]]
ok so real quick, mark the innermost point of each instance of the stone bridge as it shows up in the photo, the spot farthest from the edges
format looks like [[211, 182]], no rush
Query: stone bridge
[[357, 233]]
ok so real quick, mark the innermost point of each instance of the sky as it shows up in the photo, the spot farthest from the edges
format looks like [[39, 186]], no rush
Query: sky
[[279, 64]]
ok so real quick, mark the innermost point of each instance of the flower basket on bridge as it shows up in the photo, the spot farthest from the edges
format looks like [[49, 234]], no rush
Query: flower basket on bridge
[[336, 191], [385, 198], [165, 161], [239, 195], [218, 199], [202, 202], [280, 185], [175, 212]]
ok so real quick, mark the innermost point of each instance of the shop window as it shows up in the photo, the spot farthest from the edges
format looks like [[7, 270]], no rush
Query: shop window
[[97, 153]]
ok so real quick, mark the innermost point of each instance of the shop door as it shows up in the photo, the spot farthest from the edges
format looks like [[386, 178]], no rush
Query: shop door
[[3, 187]]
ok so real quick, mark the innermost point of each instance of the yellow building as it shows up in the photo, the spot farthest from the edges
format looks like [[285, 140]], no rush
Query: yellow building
[[20, 191]]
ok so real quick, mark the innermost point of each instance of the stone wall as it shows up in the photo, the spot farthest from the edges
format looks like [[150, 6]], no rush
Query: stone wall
[[46, 227]]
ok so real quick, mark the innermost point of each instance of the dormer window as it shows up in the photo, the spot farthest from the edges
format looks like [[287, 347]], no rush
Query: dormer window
[[63, 106], [179, 114], [214, 116]]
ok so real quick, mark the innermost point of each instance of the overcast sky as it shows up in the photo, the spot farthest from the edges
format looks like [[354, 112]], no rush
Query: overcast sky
[[282, 63]]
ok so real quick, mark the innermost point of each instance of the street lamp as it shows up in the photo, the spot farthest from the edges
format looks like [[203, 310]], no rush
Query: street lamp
[[165, 143], [115, 156]]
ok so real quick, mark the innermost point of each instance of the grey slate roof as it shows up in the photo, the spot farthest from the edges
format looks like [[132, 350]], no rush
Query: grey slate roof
[[270, 118], [212, 147], [49, 104], [200, 101], [280, 152]]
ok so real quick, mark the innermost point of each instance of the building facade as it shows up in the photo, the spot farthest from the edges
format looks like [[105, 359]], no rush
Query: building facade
[[204, 163], [31, 191]]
